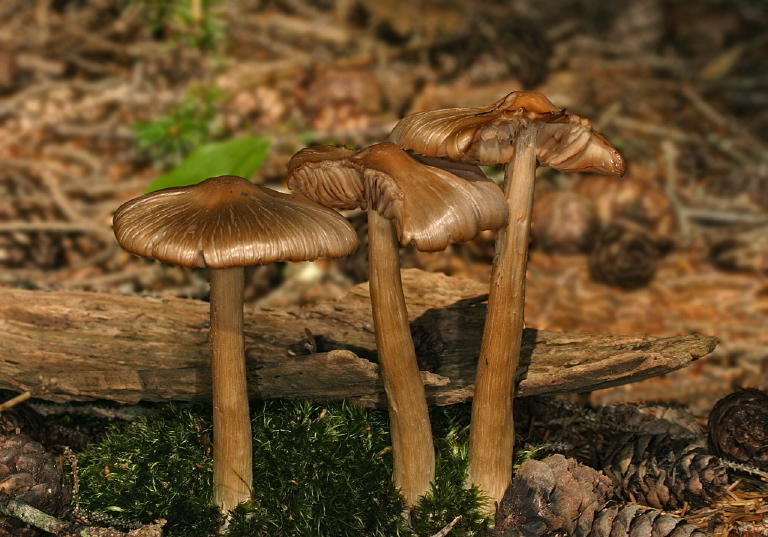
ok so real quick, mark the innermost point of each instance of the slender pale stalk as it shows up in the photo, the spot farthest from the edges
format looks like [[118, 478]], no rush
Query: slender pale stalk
[[232, 441], [492, 433], [412, 446]]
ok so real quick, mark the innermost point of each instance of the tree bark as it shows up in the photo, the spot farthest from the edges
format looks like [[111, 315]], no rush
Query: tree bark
[[68, 345]]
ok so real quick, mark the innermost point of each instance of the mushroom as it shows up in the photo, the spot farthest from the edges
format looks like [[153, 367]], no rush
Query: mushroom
[[425, 202], [226, 223], [523, 130]]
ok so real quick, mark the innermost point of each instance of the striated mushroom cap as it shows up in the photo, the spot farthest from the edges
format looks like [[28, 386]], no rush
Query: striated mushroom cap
[[228, 221], [325, 174], [570, 145], [485, 135], [432, 202]]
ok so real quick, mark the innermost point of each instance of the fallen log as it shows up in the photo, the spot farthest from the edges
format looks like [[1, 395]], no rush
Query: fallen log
[[68, 345]]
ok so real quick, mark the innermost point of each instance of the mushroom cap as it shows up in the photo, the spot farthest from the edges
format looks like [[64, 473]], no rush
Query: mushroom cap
[[432, 202], [228, 221], [486, 135], [325, 174]]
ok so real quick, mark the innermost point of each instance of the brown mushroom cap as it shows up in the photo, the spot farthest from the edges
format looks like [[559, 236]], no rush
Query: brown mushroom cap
[[325, 174], [432, 203], [228, 221], [485, 135]]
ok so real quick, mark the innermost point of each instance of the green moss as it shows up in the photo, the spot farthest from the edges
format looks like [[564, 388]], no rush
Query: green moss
[[157, 466], [319, 470], [449, 498]]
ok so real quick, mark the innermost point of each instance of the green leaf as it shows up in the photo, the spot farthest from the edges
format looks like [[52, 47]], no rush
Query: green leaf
[[241, 156]]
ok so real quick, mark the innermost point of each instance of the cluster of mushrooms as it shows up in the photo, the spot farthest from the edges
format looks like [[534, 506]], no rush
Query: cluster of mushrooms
[[423, 187]]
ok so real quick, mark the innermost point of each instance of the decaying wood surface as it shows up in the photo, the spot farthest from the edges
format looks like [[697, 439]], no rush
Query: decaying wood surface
[[68, 345]]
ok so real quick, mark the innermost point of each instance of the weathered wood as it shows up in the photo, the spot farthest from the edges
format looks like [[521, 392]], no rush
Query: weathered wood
[[65, 345]]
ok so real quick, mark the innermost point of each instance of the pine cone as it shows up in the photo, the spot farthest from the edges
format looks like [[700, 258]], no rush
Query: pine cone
[[31, 475], [564, 222], [745, 251], [22, 418], [624, 258], [340, 100], [558, 496], [634, 203], [664, 472], [555, 495], [738, 427], [635, 521]]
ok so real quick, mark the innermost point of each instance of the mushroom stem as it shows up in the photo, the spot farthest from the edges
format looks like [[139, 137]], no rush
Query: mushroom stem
[[492, 432], [412, 446], [232, 459]]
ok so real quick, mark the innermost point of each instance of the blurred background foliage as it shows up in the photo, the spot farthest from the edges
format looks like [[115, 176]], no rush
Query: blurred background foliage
[[100, 98]]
